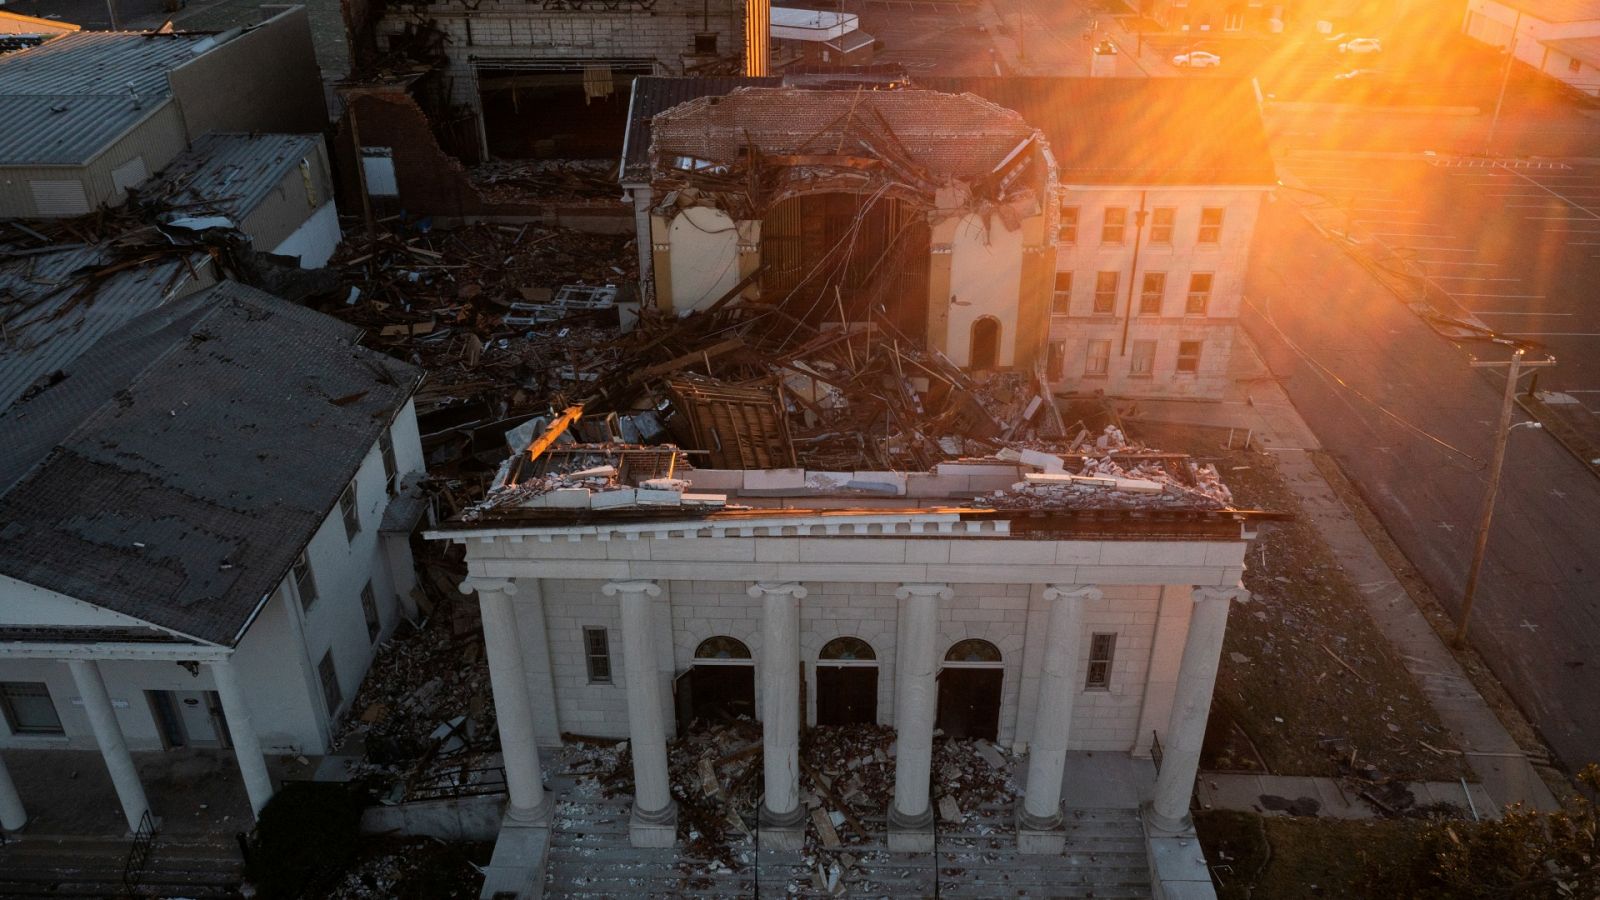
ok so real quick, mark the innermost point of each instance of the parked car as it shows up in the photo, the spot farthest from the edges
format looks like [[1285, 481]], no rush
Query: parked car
[[1197, 59], [1361, 45], [1358, 75]]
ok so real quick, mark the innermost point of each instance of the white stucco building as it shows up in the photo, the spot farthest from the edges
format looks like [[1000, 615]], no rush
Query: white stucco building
[[206, 525], [1560, 38], [1051, 629]]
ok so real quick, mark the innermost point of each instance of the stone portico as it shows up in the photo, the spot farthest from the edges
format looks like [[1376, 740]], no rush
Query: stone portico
[[916, 586]]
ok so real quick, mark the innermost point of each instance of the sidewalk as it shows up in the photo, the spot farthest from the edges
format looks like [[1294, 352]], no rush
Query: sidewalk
[[1257, 402], [1274, 795]]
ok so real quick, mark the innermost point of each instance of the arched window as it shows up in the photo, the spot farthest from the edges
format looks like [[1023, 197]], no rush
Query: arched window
[[847, 649], [722, 648], [973, 650], [984, 352]]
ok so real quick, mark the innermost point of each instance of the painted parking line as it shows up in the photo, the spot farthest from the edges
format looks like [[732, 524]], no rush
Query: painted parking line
[[1434, 249], [1456, 262], [1553, 334], [1573, 203], [1506, 296], [1503, 312], [1469, 278]]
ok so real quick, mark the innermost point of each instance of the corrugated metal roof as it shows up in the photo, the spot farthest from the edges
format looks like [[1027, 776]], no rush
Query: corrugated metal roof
[[67, 98], [52, 315], [99, 62], [185, 494], [64, 130], [230, 174]]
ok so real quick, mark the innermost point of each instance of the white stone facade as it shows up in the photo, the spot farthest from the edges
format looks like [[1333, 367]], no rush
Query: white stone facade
[[912, 584], [1082, 254]]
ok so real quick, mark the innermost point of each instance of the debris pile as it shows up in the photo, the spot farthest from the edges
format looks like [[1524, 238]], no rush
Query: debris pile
[[509, 181]]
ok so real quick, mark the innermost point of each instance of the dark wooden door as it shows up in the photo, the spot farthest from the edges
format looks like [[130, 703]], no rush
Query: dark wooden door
[[847, 695], [969, 703], [722, 692]]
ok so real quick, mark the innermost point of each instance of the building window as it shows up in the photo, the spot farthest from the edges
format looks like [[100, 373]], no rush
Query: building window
[[597, 649], [1233, 20], [1098, 362], [1161, 222], [1211, 225], [347, 508], [1116, 224], [28, 709], [1057, 365], [1188, 357], [391, 468], [1101, 649], [1061, 304], [1143, 362], [1105, 293], [305, 581], [1199, 294], [1155, 289], [1068, 234], [369, 606], [330, 683]]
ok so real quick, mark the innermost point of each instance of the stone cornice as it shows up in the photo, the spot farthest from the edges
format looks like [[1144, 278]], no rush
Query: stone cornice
[[764, 588], [479, 584], [1203, 593], [941, 591], [1081, 592], [648, 588]]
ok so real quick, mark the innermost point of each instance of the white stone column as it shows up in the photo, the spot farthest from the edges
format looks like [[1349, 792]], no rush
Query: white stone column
[[782, 818], [12, 815], [654, 822], [1039, 824], [246, 745], [915, 706], [527, 804], [1197, 675], [108, 734]]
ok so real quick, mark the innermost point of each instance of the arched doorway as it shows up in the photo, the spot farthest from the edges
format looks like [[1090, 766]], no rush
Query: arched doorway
[[847, 683], [970, 683], [984, 352], [720, 685]]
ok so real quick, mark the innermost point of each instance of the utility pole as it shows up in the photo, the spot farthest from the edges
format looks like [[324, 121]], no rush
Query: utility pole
[[1513, 372], [1505, 76]]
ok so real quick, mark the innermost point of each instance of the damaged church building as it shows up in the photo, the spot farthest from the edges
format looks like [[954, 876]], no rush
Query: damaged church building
[[1077, 225]]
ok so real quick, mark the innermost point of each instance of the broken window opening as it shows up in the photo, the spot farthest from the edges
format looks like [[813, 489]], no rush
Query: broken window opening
[[568, 109], [985, 350]]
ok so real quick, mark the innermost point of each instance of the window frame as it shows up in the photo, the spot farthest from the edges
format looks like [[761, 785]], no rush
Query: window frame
[[328, 678], [305, 580], [1161, 232], [1198, 302], [1145, 294], [1067, 231], [1193, 359], [8, 690], [1120, 226], [349, 511], [1097, 365], [1055, 360], [391, 465], [369, 609], [1061, 298], [1101, 291], [1149, 358], [595, 661], [1215, 228], [1102, 653]]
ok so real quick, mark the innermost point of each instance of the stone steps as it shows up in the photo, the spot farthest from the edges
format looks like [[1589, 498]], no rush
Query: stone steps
[[590, 858], [92, 867]]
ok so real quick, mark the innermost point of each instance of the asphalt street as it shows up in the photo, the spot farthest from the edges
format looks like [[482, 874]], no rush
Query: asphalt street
[[1514, 243], [1398, 408]]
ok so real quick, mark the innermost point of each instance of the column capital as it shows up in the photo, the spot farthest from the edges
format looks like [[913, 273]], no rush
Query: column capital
[[1073, 592], [1204, 592], [765, 588], [907, 591], [474, 584], [648, 588]]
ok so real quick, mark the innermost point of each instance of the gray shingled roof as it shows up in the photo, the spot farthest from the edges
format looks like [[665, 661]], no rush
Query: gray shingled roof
[[187, 492]]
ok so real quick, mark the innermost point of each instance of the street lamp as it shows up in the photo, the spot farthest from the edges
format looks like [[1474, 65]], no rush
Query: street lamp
[[1514, 371]]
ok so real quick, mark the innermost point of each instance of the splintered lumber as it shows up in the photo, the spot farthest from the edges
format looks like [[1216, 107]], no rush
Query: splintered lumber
[[832, 798], [825, 829], [708, 779], [555, 430]]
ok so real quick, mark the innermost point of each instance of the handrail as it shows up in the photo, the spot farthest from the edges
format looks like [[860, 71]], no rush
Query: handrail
[[1155, 750], [133, 868]]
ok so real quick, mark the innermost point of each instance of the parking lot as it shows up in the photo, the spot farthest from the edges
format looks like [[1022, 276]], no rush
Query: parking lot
[[1514, 243]]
